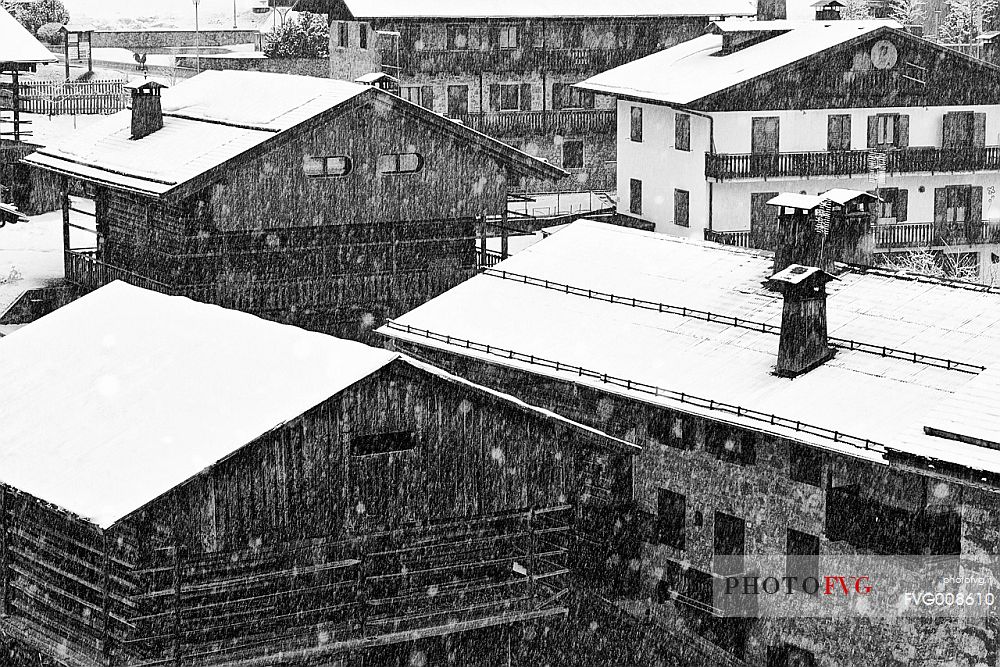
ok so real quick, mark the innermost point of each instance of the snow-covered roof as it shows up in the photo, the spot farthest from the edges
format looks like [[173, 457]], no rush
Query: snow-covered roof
[[17, 45], [213, 118], [692, 70], [119, 396], [883, 399], [547, 8]]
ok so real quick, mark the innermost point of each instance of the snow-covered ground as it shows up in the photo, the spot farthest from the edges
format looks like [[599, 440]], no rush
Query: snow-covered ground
[[561, 203], [31, 252], [46, 130]]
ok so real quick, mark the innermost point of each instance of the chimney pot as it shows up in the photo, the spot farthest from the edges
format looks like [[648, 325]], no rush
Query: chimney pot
[[147, 110], [803, 345]]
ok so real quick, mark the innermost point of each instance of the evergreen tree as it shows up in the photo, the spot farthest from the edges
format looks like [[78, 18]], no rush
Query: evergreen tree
[[305, 36]]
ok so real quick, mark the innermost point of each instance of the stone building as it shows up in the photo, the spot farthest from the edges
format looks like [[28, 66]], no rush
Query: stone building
[[880, 452]]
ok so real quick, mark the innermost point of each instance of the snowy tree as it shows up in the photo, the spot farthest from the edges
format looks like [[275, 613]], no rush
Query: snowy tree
[[926, 262], [962, 19], [50, 33], [305, 36], [858, 9], [33, 15], [908, 12]]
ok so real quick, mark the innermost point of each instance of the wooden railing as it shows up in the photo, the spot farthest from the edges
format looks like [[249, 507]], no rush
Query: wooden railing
[[891, 236], [488, 258], [74, 97], [723, 166], [519, 122], [84, 269]]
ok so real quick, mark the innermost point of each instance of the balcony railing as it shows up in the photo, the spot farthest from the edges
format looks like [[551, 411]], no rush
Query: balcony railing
[[474, 61], [84, 269], [576, 121], [890, 236], [868, 524], [724, 166]]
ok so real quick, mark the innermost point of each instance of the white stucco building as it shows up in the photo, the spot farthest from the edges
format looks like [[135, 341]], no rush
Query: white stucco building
[[709, 130]]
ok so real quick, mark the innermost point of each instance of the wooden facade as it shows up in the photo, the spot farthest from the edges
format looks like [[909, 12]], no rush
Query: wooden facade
[[336, 254], [408, 506]]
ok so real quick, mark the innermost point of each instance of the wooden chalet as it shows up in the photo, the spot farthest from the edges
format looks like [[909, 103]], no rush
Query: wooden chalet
[[205, 487], [322, 203]]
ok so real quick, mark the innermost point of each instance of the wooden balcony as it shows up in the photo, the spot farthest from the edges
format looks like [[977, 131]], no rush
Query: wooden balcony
[[890, 236], [513, 123], [728, 166], [84, 269], [871, 525], [475, 61]]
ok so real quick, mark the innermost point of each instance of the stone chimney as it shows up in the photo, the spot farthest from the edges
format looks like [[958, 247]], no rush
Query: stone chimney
[[147, 111], [803, 345], [771, 10]]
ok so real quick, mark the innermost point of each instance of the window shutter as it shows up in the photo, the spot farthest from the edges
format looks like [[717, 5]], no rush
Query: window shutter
[[940, 204], [979, 131], [525, 97], [872, 131], [948, 131], [833, 139], [975, 204], [902, 200], [557, 96], [494, 97], [493, 36], [427, 97], [903, 131]]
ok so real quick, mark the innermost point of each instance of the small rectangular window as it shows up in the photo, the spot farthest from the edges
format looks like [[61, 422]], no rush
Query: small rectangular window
[[400, 163], [344, 34], [730, 542], [572, 150], [731, 444], [327, 167], [458, 36], [671, 429], [682, 132], [363, 36], [682, 206], [887, 207], [671, 511], [571, 97], [635, 196], [510, 96], [805, 465], [383, 443], [802, 559], [636, 117], [508, 37], [838, 132]]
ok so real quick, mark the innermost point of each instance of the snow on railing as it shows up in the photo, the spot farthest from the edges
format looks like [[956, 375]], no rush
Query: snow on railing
[[729, 320], [651, 390]]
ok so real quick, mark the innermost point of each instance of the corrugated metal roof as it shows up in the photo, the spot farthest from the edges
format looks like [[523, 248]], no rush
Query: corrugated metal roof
[[694, 69], [547, 8], [862, 394], [17, 45]]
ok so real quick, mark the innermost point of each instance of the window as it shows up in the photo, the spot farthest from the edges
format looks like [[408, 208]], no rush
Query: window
[[327, 167], [572, 150], [510, 97], [635, 196], [671, 429], [838, 132], [636, 123], [363, 36], [957, 203], [893, 207], [764, 135], [400, 163], [682, 204], [729, 543], [885, 129], [730, 444], [802, 559], [458, 100], [508, 36], [343, 39], [422, 95], [458, 36], [671, 509], [572, 36], [888, 130], [961, 129], [763, 219], [565, 96], [383, 443], [682, 132], [805, 465]]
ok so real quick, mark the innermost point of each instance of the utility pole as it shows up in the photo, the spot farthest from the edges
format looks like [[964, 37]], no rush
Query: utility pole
[[197, 39]]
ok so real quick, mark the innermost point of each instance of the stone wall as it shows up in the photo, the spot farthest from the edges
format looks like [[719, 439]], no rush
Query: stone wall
[[152, 39], [303, 66]]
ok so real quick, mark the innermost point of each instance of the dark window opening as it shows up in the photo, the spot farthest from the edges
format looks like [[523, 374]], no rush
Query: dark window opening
[[682, 208], [458, 36], [343, 34], [400, 163], [635, 196], [671, 509], [363, 37], [806, 465], [802, 561], [572, 150], [731, 445], [672, 429], [729, 542], [383, 443], [682, 132], [636, 134], [328, 167]]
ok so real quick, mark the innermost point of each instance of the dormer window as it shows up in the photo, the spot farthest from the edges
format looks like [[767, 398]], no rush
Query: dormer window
[[328, 167]]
